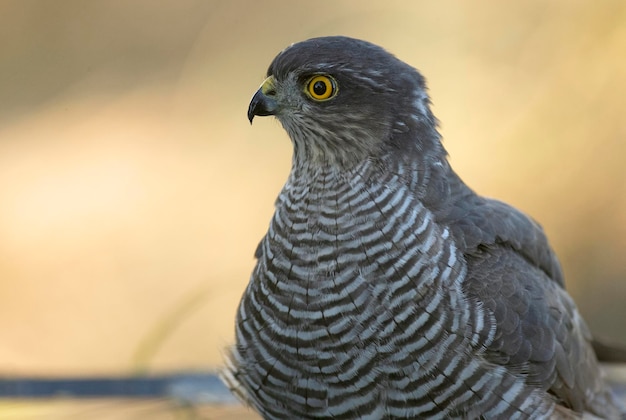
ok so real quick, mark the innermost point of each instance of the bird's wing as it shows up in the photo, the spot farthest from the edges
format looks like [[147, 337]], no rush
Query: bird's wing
[[501, 223], [514, 273], [476, 221], [539, 333]]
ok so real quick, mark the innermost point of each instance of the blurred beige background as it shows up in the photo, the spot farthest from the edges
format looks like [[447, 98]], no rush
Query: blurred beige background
[[133, 191]]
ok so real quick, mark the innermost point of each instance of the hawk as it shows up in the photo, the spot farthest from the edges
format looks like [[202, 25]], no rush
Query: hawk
[[385, 287]]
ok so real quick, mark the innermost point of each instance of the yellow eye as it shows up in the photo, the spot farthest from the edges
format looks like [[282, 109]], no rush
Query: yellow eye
[[321, 88]]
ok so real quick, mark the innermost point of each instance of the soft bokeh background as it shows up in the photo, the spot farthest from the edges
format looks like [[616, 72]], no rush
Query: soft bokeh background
[[133, 191]]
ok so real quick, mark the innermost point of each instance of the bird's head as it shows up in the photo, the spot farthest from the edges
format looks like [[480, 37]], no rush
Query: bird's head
[[343, 100]]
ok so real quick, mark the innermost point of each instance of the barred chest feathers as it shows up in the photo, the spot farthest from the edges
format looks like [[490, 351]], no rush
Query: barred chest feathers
[[357, 307]]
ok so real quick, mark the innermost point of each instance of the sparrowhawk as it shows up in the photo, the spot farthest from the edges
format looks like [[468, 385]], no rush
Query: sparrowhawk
[[386, 288]]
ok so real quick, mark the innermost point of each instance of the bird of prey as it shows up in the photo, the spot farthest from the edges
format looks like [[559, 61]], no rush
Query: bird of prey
[[385, 288]]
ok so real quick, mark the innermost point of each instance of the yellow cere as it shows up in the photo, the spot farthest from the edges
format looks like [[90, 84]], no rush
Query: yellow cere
[[268, 85]]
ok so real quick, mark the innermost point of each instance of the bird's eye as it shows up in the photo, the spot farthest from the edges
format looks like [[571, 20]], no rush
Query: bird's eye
[[321, 88]]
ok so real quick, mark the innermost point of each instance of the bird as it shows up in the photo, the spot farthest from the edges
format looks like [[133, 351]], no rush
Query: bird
[[385, 287]]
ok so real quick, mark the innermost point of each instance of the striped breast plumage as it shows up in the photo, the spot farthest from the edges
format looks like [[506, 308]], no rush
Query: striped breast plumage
[[356, 308]]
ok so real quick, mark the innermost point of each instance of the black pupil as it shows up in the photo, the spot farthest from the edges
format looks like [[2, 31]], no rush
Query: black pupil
[[319, 88]]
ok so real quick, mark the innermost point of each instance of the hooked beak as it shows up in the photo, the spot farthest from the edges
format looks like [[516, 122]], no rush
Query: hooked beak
[[263, 102]]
